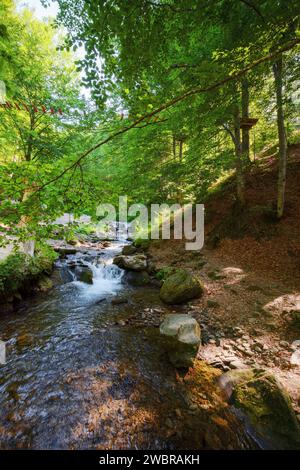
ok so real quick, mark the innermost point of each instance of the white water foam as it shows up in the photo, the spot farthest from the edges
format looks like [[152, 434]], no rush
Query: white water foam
[[106, 275]]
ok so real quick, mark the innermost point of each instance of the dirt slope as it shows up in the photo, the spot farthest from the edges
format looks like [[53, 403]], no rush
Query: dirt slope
[[252, 283]]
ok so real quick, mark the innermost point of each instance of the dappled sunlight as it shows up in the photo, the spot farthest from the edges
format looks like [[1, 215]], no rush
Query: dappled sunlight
[[234, 275]]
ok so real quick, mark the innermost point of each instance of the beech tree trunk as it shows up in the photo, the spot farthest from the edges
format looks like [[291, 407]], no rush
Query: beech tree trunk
[[245, 114], [180, 150], [174, 146], [240, 184], [278, 70], [27, 246]]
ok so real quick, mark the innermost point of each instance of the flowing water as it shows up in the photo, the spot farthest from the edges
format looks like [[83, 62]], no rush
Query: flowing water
[[84, 373]]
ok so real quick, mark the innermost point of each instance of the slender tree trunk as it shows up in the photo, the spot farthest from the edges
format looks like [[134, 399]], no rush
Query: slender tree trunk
[[245, 114], [240, 184], [27, 246], [174, 146], [278, 71], [180, 150]]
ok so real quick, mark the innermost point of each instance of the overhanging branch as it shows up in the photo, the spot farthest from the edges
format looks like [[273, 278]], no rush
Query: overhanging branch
[[194, 91]]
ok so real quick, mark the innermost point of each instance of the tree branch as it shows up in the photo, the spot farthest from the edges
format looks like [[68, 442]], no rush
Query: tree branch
[[194, 91], [254, 7]]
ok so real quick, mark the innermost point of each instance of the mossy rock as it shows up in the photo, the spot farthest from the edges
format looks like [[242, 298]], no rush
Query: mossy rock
[[128, 250], [163, 273], [84, 274], [267, 406], [180, 287]]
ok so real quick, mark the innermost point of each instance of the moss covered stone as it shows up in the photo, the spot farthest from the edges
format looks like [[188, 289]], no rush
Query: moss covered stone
[[267, 405], [163, 273], [179, 287]]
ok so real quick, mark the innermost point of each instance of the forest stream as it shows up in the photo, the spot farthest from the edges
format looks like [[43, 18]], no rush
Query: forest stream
[[78, 375]]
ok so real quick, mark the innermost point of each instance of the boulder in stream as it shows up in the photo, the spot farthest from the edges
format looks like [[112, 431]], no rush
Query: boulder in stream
[[84, 274], [266, 405], [128, 250], [136, 278], [179, 287], [182, 338], [133, 263]]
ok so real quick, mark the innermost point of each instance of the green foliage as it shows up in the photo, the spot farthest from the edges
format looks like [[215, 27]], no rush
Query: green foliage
[[19, 270], [137, 55]]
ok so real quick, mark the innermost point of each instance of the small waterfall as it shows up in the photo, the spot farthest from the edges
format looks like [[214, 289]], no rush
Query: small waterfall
[[106, 275], [114, 231]]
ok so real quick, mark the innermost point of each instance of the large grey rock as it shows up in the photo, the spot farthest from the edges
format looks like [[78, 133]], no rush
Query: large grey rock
[[266, 405], [182, 337], [179, 287], [134, 263]]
